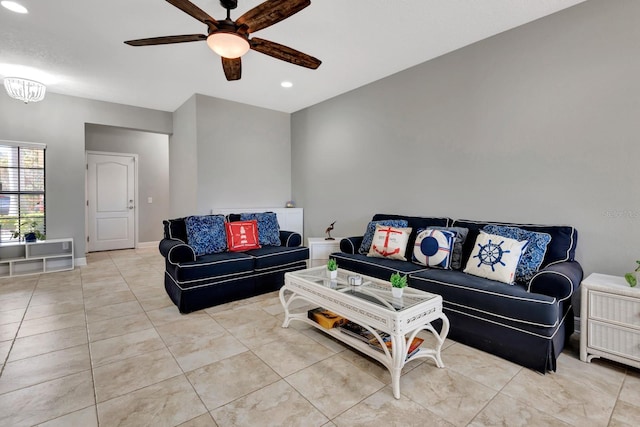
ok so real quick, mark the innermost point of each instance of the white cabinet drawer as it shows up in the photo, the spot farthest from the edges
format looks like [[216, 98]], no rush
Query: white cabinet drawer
[[323, 251], [319, 248], [616, 340], [615, 308]]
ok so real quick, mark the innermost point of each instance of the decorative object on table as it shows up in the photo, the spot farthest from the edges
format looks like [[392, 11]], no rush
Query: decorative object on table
[[31, 234], [328, 231], [325, 318], [332, 268], [290, 204], [398, 283], [355, 280], [632, 278]]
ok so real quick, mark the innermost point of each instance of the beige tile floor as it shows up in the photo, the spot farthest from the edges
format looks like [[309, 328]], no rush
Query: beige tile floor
[[104, 345]]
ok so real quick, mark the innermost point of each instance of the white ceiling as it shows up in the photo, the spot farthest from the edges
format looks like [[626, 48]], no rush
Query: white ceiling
[[76, 47]]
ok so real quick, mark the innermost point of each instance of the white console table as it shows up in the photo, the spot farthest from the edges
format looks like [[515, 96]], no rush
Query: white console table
[[610, 320], [43, 256], [320, 249]]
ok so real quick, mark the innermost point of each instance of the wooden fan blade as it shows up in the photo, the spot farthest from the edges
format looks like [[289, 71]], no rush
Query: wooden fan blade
[[284, 53], [232, 68], [167, 40], [271, 12], [187, 7]]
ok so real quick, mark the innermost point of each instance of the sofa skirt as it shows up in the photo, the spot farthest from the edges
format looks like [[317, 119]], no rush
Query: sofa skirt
[[533, 351], [205, 294]]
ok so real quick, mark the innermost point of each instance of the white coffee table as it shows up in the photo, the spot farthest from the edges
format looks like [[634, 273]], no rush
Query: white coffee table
[[371, 306]]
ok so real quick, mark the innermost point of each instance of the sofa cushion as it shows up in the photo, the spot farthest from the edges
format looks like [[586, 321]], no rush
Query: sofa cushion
[[488, 298], [219, 266], [269, 257], [495, 257], [206, 234], [375, 267], [461, 237], [242, 235], [533, 254], [562, 247], [268, 227], [433, 248], [389, 242], [175, 229], [367, 239]]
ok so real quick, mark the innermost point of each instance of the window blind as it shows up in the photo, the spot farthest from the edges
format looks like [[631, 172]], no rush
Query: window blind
[[22, 189]]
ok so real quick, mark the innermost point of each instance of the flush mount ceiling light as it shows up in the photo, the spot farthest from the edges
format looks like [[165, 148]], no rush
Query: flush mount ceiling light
[[14, 7], [286, 84], [25, 90]]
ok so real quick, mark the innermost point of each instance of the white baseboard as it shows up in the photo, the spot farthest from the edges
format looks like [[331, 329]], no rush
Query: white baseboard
[[79, 262], [143, 245]]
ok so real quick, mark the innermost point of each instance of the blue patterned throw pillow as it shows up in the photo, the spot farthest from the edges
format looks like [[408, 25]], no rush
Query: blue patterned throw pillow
[[206, 234], [268, 227], [434, 248], [533, 254], [371, 230]]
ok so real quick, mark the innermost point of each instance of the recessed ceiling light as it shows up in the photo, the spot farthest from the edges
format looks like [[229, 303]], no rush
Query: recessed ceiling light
[[286, 84], [14, 7]]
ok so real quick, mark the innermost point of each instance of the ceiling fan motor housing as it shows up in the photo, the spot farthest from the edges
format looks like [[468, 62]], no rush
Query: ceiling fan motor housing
[[229, 4]]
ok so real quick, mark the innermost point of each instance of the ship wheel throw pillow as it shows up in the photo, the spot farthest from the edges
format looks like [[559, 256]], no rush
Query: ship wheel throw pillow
[[433, 248], [495, 257], [389, 242]]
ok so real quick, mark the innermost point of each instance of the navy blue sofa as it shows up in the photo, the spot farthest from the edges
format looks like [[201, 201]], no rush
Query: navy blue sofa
[[197, 282], [528, 323]]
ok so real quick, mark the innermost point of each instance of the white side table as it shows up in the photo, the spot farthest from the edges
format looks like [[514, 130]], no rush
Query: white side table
[[610, 320], [320, 249]]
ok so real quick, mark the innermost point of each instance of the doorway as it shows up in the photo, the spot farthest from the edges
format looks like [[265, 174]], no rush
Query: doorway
[[111, 201]]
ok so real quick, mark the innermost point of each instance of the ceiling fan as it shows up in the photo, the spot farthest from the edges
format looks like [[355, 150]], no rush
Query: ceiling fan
[[230, 39]]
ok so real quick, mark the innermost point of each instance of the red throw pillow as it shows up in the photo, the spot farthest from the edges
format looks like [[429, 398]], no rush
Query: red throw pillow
[[242, 235]]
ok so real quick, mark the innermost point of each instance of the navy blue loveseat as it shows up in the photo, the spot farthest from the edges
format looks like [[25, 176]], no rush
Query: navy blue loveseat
[[197, 282], [526, 323]]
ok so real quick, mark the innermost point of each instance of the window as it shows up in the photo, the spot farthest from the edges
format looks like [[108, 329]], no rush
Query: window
[[22, 189]]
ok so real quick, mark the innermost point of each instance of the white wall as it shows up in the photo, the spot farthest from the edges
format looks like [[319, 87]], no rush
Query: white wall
[[59, 121], [539, 124], [227, 154], [153, 171], [183, 161]]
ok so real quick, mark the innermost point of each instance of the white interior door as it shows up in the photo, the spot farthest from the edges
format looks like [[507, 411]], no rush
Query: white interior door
[[110, 201]]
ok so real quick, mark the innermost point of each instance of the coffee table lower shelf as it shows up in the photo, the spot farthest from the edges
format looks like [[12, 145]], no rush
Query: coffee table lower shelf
[[395, 360]]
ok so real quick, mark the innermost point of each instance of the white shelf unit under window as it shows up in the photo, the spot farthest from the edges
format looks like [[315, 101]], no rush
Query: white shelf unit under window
[[44, 256]]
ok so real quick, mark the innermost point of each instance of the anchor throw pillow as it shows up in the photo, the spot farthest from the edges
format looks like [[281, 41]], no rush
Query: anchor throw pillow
[[371, 229], [389, 242], [495, 257]]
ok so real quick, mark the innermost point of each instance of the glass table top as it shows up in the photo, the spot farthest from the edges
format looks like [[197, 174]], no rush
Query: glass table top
[[373, 290]]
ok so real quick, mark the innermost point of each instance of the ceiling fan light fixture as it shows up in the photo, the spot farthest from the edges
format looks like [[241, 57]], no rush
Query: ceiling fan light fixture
[[14, 7], [228, 45], [24, 90]]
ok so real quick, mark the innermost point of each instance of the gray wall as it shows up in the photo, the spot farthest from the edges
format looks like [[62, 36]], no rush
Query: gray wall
[[539, 124], [238, 156], [59, 121], [153, 171]]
